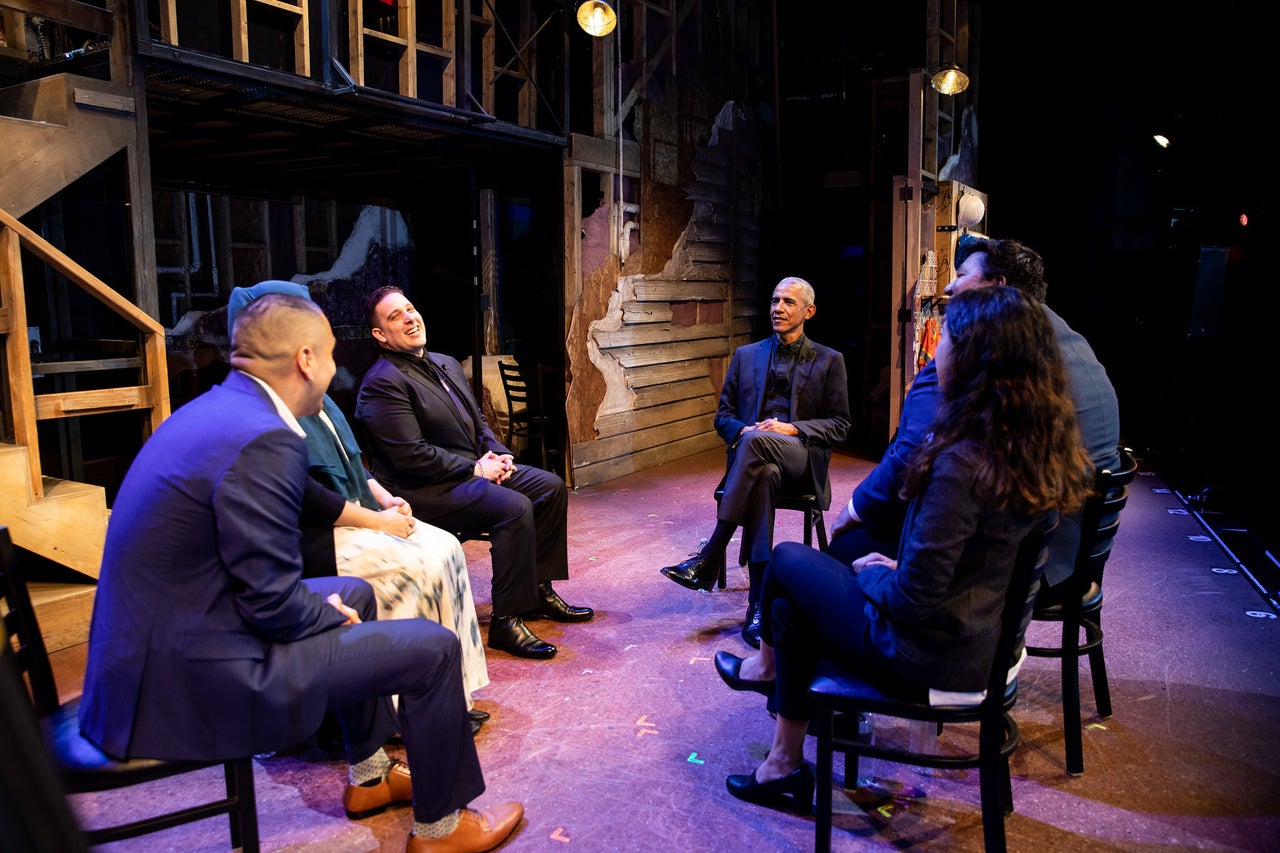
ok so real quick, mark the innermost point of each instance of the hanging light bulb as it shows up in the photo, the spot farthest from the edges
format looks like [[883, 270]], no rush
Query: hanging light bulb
[[948, 80], [597, 18]]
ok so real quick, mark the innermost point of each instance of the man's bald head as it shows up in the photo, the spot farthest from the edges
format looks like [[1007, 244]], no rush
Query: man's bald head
[[269, 332], [286, 341]]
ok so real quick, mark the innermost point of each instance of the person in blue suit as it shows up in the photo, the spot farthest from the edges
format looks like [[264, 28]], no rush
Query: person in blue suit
[[351, 525], [872, 519], [783, 406], [206, 643]]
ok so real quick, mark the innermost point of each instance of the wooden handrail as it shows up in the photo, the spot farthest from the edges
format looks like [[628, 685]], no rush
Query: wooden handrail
[[87, 281], [27, 410]]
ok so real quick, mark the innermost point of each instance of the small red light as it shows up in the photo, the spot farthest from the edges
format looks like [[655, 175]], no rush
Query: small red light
[[1244, 219]]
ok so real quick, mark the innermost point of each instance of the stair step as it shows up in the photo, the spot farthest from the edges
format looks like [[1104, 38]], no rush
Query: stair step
[[63, 611], [68, 525]]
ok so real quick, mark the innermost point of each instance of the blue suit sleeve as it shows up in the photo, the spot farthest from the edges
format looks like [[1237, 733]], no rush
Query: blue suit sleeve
[[876, 497], [256, 508], [943, 520]]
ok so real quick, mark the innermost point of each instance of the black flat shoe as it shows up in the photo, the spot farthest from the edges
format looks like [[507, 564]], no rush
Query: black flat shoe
[[475, 727], [478, 716], [751, 626], [697, 572], [552, 606], [792, 793], [509, 634], [730, 665]]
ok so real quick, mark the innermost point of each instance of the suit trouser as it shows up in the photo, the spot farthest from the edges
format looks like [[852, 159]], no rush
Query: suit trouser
[[759, 464], [421, 662], [528, 534], [813, 605]]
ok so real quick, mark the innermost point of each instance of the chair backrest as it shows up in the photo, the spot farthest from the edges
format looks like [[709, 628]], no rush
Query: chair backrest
[[34, 812], [514, 386], [1019, 603], [22, 631], [1100, 520]]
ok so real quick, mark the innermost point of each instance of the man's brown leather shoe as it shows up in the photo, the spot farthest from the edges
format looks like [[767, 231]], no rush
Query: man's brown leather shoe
[[367, 800], [477, 831]]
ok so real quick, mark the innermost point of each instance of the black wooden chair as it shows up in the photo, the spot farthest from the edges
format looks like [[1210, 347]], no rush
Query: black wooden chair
[[1077, 604], [840, 696], [524, 417], [82, 767], [34, 813], [799, 501]]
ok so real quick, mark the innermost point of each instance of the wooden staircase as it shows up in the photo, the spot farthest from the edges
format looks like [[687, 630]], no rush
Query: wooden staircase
[[56, 130]]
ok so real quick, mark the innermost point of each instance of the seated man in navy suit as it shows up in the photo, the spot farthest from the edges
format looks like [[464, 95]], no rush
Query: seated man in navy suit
[[207, 644], [783, 406], [872, 519]]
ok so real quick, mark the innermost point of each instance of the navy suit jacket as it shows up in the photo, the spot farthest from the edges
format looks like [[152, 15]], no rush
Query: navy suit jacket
[[418, 445], [204, 642], [936, 618], [876, 498], [819, 402]]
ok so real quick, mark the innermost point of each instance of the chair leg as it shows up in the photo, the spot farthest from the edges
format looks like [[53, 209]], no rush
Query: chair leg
[[823, 722], [1071, 692], [822, 528], [1098, 666], [994, 784], [244, 816]]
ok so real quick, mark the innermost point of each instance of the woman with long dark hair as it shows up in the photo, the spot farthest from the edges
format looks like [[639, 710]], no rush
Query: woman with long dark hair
[[1003, 457]]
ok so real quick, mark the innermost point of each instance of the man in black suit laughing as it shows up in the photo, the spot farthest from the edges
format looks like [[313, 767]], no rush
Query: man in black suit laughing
[[430, 443]]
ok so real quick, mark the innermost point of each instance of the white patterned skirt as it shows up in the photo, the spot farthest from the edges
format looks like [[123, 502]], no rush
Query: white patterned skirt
[[423, 575]]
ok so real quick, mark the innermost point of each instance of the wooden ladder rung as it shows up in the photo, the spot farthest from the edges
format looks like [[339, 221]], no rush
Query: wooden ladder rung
[[84, 365]]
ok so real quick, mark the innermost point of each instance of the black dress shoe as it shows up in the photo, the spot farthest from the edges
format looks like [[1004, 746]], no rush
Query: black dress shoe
[[475, 727], [730, 665], [552, 606], [697, 572], [478, 716], [792, 793], [751, 626], [509, 634]]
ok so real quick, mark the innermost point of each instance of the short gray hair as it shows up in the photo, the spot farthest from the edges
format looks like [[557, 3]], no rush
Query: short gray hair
[[805, 287]]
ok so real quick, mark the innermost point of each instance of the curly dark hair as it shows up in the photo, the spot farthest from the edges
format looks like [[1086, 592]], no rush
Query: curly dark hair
[[1021, 265], [1005, 391]]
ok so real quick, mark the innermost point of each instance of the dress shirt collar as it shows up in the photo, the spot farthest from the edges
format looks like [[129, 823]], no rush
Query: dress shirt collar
[[790, 350], [281, 409]]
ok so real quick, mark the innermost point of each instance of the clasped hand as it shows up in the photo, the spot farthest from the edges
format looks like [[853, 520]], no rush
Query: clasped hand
[[873, 559], [775, 425], [495, 468], [353, 618], [397, 519]]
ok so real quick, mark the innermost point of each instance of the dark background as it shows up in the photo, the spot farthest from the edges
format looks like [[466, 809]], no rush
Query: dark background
[[1144, 249]]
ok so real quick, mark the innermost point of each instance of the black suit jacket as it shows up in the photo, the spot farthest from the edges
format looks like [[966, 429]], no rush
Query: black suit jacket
[[416, 439], [819, 402]]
